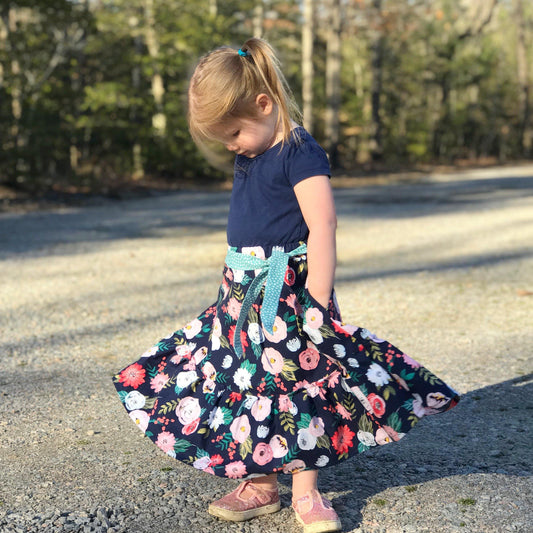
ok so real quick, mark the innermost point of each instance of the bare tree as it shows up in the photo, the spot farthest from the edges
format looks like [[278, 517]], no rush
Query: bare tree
[[333, 80], [308, 34]]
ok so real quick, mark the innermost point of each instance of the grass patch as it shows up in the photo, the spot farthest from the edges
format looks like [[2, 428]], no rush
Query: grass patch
[[380, 502], [167, 469], [411, 488], [466, 501], [83, 442]]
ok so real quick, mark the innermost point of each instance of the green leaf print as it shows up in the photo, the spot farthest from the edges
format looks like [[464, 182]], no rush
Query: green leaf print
[[388, 392], [327, 331], [304, 422], [181, 445], [405, 376], [122, 395], [245, 448], [323, 442], [151, 370], [289, 367], [150, 402], [167, 407], [376, 353], [250, 367], [413, 419], [224, 342], [362, 447], [287, 423], [365, 424], [228, 416], [292, 453], [237, 292], [270, 384], [428, 376], [408, 404], [349, 403], [395, 422]]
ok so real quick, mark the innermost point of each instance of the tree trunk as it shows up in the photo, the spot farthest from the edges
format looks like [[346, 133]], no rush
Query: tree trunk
[[376, 49], [523, 80], [307, 64], [333, 82], [159, 119], [259, 14]]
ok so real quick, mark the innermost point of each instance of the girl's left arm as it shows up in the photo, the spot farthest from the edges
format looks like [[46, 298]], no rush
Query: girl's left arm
[[315, 198]]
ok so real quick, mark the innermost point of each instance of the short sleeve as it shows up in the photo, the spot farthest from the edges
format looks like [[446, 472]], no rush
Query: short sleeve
[[307, 159]]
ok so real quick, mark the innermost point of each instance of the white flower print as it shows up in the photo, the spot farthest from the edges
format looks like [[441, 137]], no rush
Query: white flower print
[[306, 441], [256, 251], [340, 350], [354, 363], [377, 375], [255, 333], [243, 379], [141, 418], [226, 362], [293, 410], [366, 438], [368, 335], [216, 418], [249, 401], [323, 460], [202, 462], [238, 275], [262, 431], [192, 328], [184, 379], [314, 334], [358, 393], [293, 345], [134, 400], [188, 410], [151, 351]]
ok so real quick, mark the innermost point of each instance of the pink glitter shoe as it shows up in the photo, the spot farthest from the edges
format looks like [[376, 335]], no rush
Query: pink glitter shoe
[[316, 514], [236, 508]]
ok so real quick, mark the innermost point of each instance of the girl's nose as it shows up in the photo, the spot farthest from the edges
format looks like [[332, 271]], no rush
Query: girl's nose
[[231, 147]]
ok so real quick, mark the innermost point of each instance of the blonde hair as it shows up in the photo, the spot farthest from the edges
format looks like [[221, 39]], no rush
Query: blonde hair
[[225, 85]]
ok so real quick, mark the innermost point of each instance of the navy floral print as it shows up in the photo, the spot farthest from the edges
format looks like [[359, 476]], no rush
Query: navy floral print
[[310, 394]]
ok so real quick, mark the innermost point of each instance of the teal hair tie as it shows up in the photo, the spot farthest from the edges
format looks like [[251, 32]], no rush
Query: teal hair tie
[[243, 53]]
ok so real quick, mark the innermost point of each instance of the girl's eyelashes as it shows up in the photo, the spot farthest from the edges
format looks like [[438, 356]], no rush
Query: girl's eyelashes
[[236, 133]]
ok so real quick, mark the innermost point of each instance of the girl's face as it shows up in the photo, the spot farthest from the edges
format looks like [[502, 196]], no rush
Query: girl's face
[[251, 136]]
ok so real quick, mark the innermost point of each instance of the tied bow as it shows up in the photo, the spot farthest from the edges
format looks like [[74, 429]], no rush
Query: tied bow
[[271, 275]]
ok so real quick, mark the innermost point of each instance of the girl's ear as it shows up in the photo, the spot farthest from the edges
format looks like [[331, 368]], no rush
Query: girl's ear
[[264, 104]]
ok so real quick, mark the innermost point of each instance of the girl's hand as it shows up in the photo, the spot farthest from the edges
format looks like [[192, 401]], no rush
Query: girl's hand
[[315, 198]]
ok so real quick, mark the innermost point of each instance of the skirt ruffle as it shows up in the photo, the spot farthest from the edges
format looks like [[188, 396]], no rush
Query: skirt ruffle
[[309, 395]]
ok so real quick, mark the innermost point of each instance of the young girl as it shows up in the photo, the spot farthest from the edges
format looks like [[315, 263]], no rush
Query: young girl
[[268, 379]]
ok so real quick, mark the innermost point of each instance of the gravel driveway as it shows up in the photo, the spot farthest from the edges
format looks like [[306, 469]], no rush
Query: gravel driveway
[[442, 268]]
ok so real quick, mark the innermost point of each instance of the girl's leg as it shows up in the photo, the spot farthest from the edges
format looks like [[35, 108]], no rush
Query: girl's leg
[[302, 482], [313, 511]]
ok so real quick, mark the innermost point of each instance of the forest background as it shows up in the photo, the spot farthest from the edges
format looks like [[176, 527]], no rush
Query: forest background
[[93, 92]]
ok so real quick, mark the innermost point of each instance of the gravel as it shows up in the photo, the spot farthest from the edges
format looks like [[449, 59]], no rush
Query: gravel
[[442, 267]]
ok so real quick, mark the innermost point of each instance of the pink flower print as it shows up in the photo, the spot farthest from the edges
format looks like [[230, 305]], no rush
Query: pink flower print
[[279, 446], [345, 414], [159, 381], [209, 371], [183, 351], [236, 470], [165, 441], [386, 434], [140, 418], [294, 466], [217, 327], [225, 288], [261, 408], [410, 361], [344, 328], [358, 393], [314, 389], [293, 302], [191, 428], [314, 318], [262, 454], [333, 379], [378, 404], [309, 358], [279, 331], [208, 386], [436, 400], [284, 403], [229, 274], [188, 410], [316, 427], [200, 354], [234, 308], [272, 361], [240, 428], [202, 462], [192, 328]]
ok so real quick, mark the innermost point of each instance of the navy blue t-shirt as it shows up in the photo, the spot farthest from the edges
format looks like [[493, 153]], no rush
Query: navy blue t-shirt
[[264, 210]]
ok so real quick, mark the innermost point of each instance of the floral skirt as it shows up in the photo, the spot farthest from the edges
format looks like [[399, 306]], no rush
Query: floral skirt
[[310, 394]]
